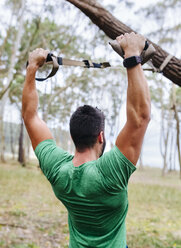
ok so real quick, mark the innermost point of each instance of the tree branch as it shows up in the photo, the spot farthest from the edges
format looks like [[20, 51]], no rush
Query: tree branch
[[112, 27]]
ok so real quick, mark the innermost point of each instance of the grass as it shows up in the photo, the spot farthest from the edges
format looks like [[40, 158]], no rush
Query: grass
[[31, 216], [154, 218]]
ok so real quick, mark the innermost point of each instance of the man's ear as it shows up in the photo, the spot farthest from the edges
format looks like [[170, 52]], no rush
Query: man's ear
[[101, 137]]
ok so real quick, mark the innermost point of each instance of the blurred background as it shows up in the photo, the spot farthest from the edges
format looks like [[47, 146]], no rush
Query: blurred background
[[63, 29]]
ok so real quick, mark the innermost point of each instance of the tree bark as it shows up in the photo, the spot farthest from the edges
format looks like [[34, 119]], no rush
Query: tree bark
[[112, 27]]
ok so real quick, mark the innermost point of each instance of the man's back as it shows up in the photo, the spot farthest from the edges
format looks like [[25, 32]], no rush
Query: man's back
[[94, 193]]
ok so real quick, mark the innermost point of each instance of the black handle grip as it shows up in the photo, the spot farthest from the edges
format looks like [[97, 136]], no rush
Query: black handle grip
[[49, 57], [146, 45]]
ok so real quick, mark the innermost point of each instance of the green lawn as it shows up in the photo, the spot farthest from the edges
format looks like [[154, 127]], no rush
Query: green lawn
[[154, 218], [31, 217]]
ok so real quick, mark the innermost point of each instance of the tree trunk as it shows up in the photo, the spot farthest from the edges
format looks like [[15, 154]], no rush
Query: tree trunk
[[21, 157], [112, 27], [164, 133], [28, 146], [171, 157], [2, 137], [14, 51], [12, 141], [2, 143], [164, 154], [165, 136], [4, 92], [178, 135], [141, 167], [177, 126]]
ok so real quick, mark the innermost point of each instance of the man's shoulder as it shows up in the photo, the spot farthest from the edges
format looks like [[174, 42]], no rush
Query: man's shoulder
[[114, 153], [51, 158], [114, 160], [49, 149]]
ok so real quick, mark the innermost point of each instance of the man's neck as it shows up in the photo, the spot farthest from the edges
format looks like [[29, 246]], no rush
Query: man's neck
[[83, 157]]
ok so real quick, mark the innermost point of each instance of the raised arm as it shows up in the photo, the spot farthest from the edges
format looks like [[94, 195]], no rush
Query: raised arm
[[130, 139], [37, 128]]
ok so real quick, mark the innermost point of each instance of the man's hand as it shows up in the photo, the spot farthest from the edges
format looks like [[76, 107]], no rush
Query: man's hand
[[37, 58], [132, 44]]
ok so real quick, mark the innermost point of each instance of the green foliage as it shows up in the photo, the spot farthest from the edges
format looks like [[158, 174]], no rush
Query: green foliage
[[63, 96], [15, 5], [71, 87], [166, 31]]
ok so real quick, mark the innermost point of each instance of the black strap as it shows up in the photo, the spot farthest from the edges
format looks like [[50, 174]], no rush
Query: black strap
[[51, 59]]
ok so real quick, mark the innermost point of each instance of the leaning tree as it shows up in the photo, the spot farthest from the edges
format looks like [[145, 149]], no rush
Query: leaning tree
[[113, 28]]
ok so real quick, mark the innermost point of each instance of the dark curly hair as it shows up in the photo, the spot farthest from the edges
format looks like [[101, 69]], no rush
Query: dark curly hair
[[85, 125]]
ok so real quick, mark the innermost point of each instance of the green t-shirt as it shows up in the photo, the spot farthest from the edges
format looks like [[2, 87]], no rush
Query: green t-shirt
[[95, 194]]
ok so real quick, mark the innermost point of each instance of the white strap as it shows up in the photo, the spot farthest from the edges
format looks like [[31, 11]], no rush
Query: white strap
[[165, 62]]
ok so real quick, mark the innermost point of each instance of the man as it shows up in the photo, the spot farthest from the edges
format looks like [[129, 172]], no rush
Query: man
[[92, 187]]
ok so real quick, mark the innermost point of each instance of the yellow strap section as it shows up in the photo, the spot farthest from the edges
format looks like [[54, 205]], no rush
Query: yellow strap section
[[71, 62]]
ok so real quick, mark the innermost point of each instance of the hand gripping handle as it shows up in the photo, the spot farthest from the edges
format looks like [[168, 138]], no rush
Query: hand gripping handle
[[50, 59], [146, 54]]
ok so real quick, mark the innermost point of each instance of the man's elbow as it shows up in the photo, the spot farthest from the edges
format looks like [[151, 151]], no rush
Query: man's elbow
[[146, 119], [24, 113], [139, 117], [142, 118], [27, 115], [145, 116]]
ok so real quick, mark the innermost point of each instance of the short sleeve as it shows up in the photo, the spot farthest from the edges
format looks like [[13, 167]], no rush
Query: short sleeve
[[115, 170], [51, 158]]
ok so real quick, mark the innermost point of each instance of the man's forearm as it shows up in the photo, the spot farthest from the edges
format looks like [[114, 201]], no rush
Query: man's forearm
[[138, 97], [130, 139], [37, 128], [30, 95]]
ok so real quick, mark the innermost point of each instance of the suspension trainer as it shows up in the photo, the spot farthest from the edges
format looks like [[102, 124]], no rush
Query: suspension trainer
[[146, 55]]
